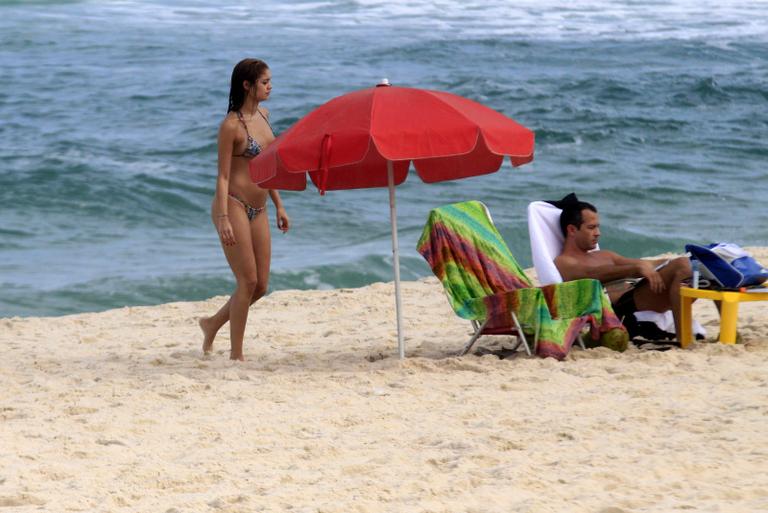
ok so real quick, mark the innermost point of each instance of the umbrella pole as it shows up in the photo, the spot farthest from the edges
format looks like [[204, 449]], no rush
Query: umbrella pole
[[395, 257]]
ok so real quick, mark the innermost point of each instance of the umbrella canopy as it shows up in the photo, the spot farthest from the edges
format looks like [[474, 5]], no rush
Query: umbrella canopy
[[346, 142], [368, 138]]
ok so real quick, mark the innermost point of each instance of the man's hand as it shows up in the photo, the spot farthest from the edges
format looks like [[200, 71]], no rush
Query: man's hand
[[647, 270]]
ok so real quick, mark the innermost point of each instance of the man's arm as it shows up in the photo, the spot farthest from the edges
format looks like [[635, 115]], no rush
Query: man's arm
[[615, 268], [574, 269], [621, 260]]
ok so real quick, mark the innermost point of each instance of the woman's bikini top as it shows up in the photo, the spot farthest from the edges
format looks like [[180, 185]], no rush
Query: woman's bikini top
[[252, 148]]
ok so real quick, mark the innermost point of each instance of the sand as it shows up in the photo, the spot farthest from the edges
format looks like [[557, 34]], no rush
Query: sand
[[119, 411]]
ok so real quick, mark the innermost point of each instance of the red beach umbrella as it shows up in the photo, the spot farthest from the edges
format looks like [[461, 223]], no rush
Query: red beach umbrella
[[368, 138]]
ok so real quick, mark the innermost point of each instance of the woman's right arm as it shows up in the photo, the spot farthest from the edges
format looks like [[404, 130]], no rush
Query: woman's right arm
[[226, 144]]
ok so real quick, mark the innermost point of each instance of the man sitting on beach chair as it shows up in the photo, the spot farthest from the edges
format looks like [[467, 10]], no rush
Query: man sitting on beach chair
[[660, 280]]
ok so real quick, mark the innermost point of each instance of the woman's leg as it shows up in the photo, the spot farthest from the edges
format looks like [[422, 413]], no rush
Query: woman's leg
[[261, 239], [261, 243], [243, 264]]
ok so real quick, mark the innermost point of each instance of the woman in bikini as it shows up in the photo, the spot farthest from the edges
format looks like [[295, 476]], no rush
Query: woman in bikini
[[239, 206]]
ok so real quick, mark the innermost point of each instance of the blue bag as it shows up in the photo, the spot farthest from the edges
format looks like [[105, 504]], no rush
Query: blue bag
[[728, 265]]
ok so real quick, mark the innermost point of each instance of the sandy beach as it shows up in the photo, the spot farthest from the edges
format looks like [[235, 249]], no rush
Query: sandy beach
[[119, 411]]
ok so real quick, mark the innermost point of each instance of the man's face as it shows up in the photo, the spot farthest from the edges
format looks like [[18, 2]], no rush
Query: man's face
[[587, 235]]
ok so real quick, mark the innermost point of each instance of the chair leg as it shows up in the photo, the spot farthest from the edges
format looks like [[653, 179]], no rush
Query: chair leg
[[580, 340], [478, 327], [728, 315], [520, 335], [475, 336], [686, 333]]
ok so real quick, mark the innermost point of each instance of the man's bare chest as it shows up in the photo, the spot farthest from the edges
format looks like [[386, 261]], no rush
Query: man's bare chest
[[596, 259]]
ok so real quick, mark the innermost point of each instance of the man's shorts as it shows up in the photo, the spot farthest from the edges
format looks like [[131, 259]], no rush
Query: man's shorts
[[625, 308]]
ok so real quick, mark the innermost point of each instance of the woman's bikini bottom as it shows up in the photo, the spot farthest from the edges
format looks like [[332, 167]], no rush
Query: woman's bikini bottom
[[250, 211]]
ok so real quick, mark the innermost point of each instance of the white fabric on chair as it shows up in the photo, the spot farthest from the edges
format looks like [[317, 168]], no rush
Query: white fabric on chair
[[546, 240], [547, 243]]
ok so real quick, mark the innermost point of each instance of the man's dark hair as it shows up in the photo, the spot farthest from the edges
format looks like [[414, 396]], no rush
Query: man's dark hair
[[571, 214]]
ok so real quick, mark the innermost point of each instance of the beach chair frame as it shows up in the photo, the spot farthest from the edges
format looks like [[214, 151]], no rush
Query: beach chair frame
[[518, 331], [511, 326], [479, 328]]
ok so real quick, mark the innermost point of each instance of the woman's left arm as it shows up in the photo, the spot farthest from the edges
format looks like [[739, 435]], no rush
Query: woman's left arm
[[283, 221]]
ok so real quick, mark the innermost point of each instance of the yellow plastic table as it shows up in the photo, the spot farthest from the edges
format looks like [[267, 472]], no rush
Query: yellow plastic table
[[728, 313]]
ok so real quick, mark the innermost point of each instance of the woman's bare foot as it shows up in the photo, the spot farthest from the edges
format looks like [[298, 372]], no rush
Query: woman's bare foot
[[209, 333], [233, 356]]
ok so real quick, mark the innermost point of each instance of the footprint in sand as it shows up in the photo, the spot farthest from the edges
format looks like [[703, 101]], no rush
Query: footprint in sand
[[80, 410], [20, 500]]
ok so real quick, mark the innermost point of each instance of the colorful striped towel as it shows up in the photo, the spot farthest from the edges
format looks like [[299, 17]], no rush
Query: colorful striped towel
[[483, 280]]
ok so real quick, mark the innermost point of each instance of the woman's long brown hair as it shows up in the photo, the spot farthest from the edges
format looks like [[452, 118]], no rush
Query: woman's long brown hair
[[246, 70]]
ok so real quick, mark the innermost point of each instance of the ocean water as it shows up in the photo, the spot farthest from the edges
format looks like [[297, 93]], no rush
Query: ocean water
[[657, 112]]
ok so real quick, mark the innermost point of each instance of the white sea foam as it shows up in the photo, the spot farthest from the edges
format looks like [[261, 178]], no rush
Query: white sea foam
[[527, 19]]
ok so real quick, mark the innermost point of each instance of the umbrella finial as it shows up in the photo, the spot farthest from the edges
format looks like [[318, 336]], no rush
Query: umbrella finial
[[384, 82]]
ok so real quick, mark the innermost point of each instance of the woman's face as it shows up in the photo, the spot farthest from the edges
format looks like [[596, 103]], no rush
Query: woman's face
[[262, 87]]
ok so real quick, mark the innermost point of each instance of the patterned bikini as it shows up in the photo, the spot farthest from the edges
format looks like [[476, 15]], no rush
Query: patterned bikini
[[252, 148], [250, 211]]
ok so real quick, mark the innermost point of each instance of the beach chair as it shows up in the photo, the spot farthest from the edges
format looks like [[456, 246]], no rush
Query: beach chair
[[547, 243], [485, 285]]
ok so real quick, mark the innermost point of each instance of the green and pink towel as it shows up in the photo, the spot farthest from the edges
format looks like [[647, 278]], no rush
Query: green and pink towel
[[483, 280]]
